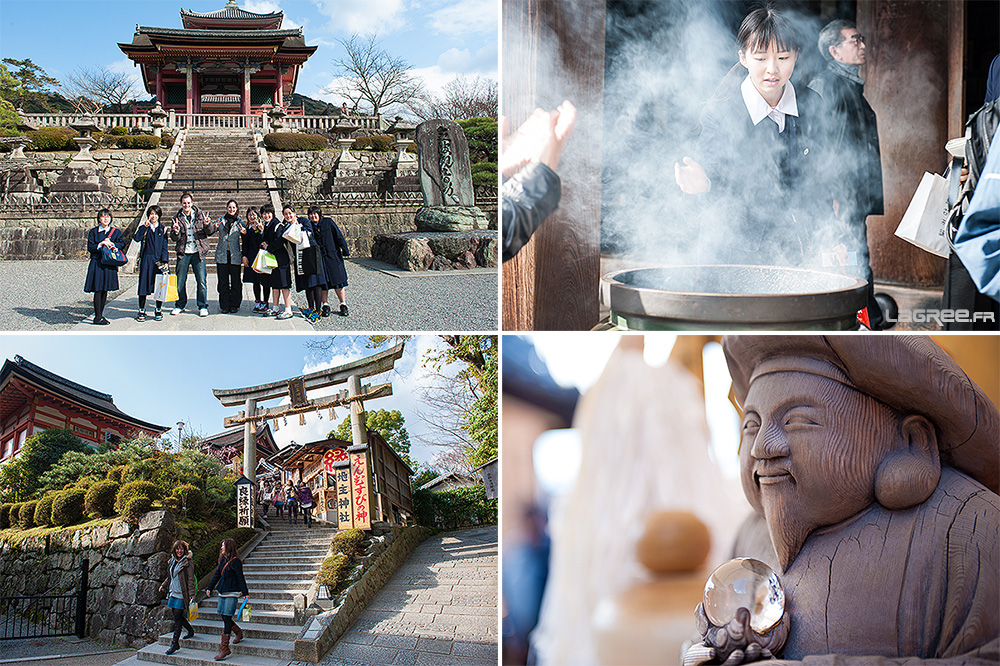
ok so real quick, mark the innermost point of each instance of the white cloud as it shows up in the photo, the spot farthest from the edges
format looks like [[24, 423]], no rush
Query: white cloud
[[362, 16], [467, 16], [269, 6]]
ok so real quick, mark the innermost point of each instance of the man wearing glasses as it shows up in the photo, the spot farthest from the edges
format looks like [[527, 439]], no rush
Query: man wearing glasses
[[854, 143]]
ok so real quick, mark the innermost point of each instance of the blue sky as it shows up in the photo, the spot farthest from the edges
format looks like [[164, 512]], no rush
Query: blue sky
[[164, 379], [438, 38]]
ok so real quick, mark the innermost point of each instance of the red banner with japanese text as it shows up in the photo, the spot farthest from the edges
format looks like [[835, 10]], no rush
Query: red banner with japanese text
[[342, 477], [360, 483]]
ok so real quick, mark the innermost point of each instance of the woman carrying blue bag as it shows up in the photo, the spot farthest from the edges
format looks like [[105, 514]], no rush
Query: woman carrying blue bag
[[103, 241], [232, 586]]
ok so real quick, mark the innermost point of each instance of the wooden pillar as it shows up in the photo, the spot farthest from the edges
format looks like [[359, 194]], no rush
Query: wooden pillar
[[160, 97], [250, 443], [189, 83], [245, 97], [907, 82], [279, 93], [359, 429], [554, 50]]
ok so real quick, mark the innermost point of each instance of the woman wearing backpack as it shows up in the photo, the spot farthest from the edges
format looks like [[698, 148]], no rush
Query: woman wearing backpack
[[101, 278], [292, 502], [232, 587]]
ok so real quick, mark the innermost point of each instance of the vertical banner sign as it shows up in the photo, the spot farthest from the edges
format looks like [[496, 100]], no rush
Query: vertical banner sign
[[359, 490], [244, 503], [342, 474]]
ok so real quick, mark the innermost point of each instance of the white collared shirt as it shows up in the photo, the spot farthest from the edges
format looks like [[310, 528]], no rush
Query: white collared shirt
[[760, 109]]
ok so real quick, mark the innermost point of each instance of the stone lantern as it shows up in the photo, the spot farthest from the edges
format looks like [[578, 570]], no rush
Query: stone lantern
[[277, 115], [345, 129], [159, 119]]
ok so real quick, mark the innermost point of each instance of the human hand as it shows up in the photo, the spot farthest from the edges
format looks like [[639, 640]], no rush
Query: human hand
[[540, 138], [177, 228], [691, 178], [245, 264]]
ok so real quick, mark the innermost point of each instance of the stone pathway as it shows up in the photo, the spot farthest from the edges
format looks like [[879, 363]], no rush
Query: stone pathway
[[440, 607]]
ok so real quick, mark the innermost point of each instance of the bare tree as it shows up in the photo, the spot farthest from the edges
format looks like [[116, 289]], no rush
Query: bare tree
[[368, 74], [461, 98], [101, 87]]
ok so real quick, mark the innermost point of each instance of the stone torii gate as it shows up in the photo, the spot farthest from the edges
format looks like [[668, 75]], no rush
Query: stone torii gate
[[296, 389]]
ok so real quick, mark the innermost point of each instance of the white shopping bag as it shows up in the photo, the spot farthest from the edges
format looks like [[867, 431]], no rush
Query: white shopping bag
[[293, 233], [925, 223], [160, 287]]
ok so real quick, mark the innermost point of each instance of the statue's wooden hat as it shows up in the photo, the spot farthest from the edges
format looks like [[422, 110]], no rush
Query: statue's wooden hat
[[909, 373]]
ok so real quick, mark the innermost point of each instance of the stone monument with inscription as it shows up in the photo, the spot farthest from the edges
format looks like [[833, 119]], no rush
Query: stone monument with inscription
[[446, 179]]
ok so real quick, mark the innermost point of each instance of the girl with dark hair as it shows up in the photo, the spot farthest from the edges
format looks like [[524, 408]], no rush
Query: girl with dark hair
[[334, 249], [759, 153], [154, 259], [253, 236], [310, 273], [100, 278], [232, 587], [180, 578], [281, 275], [228, 258]]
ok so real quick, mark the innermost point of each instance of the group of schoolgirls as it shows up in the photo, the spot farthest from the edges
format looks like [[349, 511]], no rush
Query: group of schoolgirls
[[267, 249]]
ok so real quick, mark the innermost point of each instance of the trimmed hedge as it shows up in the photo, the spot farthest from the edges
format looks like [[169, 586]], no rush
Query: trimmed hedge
[[100, 499], [347, 542], [43, 512], [115, 473], [207, 557], [5, 516], [67, 508], [15, 514], [166, 141], [378, 143], [134, 489], [119, 131], [287, 141], [143, 141], [52, 138], [333, 571], [135, 507], [26, 519], [458, 507]]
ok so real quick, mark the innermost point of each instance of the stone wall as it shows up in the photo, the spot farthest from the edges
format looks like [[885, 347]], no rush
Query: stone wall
[[323, 630], [120, 167], [52, 235], [127, 565], [306, 171]]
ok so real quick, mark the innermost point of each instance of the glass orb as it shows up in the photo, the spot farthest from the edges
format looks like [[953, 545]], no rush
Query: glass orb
[[747, 583]]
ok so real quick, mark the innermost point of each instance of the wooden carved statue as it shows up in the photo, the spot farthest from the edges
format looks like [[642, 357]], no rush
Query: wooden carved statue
[[873, 466]]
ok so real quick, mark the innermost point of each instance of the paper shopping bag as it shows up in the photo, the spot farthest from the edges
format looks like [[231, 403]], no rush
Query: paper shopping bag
[[244, 611], [160, 289], [171, 288], [260, 262], [293, 233], [193, 610], [925, 222]]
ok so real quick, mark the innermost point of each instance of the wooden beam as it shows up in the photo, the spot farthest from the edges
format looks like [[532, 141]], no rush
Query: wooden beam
[[368, 393], [372, 365]]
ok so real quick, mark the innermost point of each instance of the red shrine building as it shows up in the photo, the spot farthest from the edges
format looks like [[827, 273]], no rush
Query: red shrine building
[[227, 61], [33, 399]]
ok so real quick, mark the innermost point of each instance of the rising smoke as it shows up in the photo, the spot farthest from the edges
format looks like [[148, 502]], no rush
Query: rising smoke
[[663, 60]]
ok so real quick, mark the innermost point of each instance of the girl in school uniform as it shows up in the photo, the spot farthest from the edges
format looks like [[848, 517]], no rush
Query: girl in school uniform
[[253, 236], [100, 278], [334, 249], [760, 162], [310, 274], [154, 259], [281, 276]]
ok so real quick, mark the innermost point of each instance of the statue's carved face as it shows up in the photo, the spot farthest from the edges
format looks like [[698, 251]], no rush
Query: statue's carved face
[[809, 452]]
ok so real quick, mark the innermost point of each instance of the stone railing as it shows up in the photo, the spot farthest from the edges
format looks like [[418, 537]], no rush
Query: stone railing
[[176, 121], [13, 203], [362, 200]]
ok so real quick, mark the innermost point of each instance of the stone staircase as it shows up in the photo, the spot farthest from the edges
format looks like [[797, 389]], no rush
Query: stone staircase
[[282, 566], [216, 154]]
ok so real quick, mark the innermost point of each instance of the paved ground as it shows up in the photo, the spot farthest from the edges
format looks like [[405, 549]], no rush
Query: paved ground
[[71, 651], [439, 608], [48, 296]]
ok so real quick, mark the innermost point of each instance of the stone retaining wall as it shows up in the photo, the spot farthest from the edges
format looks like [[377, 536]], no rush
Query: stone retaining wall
[[306, 171], [323, 630], [52, 235], [127, 565], [120, 167]]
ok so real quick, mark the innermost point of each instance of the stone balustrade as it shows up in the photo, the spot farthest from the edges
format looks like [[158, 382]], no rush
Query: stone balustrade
[[176, 121]]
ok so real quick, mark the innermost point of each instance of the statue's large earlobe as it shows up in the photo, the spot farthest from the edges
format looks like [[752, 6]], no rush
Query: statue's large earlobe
[[907, 477]]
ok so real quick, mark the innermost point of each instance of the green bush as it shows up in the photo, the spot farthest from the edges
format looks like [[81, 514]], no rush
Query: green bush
[[134, 489], [5, 516], [481, 133], [143, 141], [288, 141], [15, 514], [484, 173], [458, 507], [52, 138], [333, 571], [207, 557], [141, 470], [43, 512], [166, 141], [119, 131], [100, 499], [347, 542], [116, 472], [26, 518], [188, 499], [378, 143], [141, 183], [136, 507], [67, 508]]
